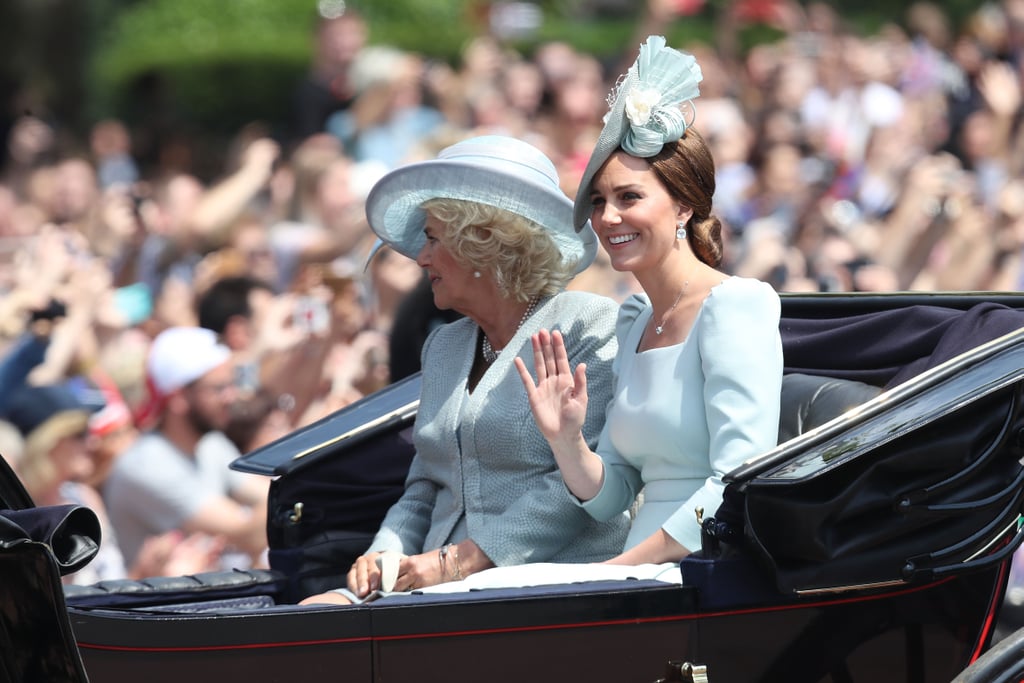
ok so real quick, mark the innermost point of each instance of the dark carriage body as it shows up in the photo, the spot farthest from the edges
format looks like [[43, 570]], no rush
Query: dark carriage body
[[871, 595]]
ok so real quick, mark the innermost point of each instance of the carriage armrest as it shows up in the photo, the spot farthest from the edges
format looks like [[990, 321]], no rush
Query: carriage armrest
[[254, 602], [166, 590], [809, 401], [729, 580]]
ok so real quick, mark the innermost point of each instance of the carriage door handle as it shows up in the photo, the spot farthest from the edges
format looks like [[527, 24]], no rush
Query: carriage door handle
[[684, 672]]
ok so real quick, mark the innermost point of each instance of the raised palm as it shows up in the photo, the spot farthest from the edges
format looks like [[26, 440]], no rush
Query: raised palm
[[558, 399]]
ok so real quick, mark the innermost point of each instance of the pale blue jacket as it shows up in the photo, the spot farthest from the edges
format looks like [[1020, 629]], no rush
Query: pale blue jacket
[[483, 470]]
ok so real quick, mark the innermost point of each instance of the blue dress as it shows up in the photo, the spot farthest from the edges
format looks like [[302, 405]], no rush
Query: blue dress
[[683, 416]]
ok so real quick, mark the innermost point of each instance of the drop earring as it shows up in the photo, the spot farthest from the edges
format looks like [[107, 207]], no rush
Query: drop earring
[[680, 231], [476, 273]]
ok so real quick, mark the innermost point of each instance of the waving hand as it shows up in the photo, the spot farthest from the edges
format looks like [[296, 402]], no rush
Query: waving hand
[[559, 398]]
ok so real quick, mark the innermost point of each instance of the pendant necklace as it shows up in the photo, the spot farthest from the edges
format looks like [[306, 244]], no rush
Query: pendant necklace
[[491, 354], [661, 328]]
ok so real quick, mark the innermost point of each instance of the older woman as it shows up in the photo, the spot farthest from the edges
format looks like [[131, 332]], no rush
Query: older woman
[[488, 223]]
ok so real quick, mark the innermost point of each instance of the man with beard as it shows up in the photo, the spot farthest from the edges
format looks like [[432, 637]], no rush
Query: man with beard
[[176, 475]]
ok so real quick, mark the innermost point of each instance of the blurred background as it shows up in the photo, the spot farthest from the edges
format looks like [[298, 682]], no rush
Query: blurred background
[[165, 66]]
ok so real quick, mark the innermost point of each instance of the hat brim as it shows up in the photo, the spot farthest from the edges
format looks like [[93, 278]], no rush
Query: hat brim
[[610, 140], [44, 437], [394, 205]]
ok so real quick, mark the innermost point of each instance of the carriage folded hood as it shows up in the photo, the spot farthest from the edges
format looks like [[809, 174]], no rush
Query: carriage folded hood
[[36, 546]]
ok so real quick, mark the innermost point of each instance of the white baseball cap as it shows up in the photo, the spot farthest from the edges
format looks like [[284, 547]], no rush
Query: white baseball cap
[[181, 355]]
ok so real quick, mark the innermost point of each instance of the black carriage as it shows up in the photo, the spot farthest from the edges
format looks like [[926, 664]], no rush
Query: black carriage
[[874, 543]]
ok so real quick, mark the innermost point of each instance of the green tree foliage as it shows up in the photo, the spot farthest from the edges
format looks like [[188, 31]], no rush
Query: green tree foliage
[[220, 64], [216, 63]]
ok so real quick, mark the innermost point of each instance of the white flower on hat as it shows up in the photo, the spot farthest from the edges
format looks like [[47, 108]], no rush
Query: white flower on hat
[[658, 93], [640, 104]]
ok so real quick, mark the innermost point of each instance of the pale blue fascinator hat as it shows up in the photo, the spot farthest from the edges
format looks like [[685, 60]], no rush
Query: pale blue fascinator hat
[[651, 105], [494, 170]]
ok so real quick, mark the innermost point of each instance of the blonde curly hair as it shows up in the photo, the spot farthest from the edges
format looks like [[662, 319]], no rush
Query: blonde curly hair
[[520, 254]]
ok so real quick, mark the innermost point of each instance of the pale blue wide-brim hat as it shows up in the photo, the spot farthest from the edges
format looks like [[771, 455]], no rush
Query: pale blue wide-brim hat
[[495, 170], [650, 106]]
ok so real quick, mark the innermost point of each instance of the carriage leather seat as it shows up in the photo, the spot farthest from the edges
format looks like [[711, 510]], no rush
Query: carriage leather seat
[[809, 401], [730, 579], [236, 588]]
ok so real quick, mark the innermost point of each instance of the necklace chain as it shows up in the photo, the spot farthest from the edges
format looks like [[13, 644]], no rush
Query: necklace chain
[[661, 328], [490, 353]]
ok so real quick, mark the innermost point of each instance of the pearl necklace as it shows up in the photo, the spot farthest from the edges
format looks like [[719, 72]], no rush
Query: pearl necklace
[[490, 353], [661, 328]]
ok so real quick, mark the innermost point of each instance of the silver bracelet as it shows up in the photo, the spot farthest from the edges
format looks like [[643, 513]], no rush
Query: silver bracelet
[[442, 558], [458, 567]]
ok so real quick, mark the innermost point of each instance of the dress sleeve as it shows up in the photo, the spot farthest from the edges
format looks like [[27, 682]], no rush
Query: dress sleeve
[[407, 521], [741, 358], [622, 481]]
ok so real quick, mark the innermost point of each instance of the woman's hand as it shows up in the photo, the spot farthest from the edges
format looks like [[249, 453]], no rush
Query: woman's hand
[[414, 571], [559, 398], [559, 404], [453, 562], [657, 548], [419, 571], [364, 576]]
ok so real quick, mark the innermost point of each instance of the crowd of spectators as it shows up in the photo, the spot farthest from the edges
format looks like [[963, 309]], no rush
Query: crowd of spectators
[[844, 162]]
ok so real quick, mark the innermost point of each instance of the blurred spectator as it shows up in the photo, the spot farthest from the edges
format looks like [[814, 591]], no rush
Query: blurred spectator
[[56, 462], [111, 431], [986, 139], [570, 121], [184, 220], [233, 308], [57, 468], [521, 85], [258, 420], [12, 444], [391, 278], [111, 147], [249, 251], [167, 256], [327, 88], [498, 92], [74, 193], [26, 352], [388, 117], [354, 360], [929, 66], [176, 476], [277, 355], [326, 221], [56, 316], [850, 101], [780, 192], [30, 143], [415, 318]]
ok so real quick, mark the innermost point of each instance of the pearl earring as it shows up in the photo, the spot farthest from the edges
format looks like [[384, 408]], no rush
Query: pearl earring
[[476, 273], [680, 231]]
